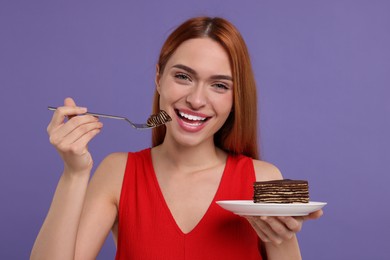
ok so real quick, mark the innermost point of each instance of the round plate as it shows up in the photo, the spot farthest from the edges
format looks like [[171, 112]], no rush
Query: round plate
[[249, 208]]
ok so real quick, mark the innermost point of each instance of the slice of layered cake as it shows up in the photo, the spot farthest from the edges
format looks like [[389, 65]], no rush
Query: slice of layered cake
[[281, 191]]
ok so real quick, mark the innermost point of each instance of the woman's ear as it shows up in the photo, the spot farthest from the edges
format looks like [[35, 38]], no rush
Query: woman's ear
[[157, 78]]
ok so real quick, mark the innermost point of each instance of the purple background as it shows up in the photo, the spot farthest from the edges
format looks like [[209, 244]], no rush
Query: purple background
[[323, 73]]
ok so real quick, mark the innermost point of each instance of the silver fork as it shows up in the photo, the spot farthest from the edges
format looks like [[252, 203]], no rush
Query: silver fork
[[153, 121]]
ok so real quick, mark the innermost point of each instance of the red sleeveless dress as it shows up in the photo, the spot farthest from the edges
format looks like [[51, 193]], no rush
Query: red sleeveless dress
[[147, 229]]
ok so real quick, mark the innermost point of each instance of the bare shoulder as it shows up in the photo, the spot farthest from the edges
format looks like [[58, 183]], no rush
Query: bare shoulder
[[109, 174], [114, 164], [266, 171], [114, 161]]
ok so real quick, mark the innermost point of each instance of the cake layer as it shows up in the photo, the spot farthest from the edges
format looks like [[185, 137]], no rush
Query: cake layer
[[281, 191]]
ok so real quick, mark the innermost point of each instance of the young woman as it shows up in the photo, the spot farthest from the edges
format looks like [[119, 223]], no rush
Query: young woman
[[159, 203]]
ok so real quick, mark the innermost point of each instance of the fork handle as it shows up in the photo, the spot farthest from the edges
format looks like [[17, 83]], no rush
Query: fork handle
[[93, 114]]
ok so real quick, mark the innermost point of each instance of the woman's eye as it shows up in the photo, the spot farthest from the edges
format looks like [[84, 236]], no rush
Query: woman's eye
[[220, 86], [182, 76]]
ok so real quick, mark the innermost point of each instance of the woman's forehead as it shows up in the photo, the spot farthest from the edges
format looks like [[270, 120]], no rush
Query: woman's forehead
[[202, 54]]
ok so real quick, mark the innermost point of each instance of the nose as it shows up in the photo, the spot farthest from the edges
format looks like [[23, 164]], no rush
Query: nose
[[197, 97]]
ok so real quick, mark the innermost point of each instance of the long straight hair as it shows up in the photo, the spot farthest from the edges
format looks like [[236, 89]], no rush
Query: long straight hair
[[238, 135]]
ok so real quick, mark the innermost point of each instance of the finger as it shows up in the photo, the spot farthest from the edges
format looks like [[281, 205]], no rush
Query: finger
[[280, 231], [64, 112], [69, 102], [263, 224], [61, 113], [259, 232], [80, 146], [82, 130], [293, 224], [76, 123], [314, 215], [72, 130]]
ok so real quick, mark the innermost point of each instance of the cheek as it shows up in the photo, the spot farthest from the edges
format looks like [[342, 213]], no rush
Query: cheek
[[171, 91], [168, 93], [226, 104], [162, 89]]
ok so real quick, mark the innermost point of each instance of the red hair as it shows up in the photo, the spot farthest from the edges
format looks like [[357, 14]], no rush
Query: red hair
[[239, 133]]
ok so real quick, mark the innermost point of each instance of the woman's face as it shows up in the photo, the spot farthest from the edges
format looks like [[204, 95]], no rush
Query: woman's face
[[196, 89]]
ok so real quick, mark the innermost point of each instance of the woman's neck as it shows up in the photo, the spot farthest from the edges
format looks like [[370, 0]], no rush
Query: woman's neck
[[190, 157]]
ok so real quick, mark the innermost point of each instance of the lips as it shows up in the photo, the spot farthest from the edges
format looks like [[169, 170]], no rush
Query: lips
[[191, 119]]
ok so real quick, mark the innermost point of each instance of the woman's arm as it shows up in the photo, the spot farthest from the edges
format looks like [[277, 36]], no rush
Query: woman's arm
[[57, 237], [278, 240], [277, 233], [101, 205], [79, 222]]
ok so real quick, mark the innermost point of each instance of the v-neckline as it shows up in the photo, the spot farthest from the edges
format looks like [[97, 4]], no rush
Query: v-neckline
[[165, 204]]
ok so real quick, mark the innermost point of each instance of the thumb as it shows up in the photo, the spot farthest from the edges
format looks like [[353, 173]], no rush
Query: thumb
[[69, 102]]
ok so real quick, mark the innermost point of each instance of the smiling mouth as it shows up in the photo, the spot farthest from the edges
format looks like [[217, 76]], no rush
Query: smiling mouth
[[191, 119]]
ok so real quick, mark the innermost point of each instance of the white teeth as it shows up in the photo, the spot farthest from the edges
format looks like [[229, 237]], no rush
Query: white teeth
[[192, 117], [194, 124]]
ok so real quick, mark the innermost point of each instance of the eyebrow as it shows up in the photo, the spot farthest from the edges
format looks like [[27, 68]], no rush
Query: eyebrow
[[193, 72]]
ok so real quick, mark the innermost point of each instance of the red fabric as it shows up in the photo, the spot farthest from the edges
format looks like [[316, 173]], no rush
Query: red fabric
[[147, 229]]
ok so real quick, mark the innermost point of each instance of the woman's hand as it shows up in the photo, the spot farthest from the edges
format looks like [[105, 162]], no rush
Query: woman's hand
[[278, 229], [71, 137]]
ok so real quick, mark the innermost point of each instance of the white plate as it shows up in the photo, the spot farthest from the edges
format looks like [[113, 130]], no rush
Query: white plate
[[249, 208]]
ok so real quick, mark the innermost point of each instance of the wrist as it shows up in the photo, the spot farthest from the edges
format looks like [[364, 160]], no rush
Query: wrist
[[287, 249], [76, 175]]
